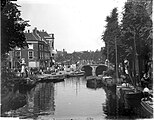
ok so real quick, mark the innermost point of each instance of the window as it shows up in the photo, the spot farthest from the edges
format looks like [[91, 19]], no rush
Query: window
[[40, 55], [46, 55], [30, 46], [40, 47], [18, 54], [30, 54], [52, 44], [45, 48]]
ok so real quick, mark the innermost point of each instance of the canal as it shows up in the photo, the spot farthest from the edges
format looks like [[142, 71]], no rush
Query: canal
[[72, 98]]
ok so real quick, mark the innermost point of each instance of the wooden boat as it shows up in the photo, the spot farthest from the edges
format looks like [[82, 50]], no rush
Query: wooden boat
[[133, 98], [147, 107], [76, 74], [93, 82], [55, 77], [51, 78], [108, 81], [129, 96]]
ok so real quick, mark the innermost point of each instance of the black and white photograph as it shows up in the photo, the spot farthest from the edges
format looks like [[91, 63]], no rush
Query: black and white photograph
[[76, 59]]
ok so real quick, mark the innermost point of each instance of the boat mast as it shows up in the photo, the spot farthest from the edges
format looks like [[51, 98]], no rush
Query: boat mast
[[136, 67]]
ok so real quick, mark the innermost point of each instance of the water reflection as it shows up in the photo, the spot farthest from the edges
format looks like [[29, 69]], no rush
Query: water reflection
[[41, 99], [72, 98], [110, 107], [113, 107]]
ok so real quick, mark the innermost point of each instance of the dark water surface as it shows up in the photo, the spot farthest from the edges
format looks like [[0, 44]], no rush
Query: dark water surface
[[72, 98]]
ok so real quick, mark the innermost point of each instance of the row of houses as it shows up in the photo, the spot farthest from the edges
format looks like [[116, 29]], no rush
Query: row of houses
[[38, 54]]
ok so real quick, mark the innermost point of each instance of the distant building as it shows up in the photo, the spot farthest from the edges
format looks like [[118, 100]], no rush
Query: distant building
[[39, 52]]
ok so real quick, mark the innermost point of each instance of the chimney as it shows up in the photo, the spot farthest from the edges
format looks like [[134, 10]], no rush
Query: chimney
[[52, 35]]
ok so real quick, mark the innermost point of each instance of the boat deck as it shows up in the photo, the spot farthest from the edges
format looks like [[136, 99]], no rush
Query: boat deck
[[51, 77]]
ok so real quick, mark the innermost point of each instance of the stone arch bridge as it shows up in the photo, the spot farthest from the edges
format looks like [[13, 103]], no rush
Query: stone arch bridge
[[93, 69]]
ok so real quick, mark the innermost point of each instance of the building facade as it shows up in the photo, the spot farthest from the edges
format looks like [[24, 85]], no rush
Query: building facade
[[38, 54]]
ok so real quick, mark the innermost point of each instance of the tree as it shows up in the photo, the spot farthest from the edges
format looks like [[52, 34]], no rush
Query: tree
[[12, 27], [12, 35], [111, 36], [136, 28]]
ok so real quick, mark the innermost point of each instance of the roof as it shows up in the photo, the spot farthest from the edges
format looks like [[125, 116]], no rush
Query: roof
[[44, 35], [30, 36]]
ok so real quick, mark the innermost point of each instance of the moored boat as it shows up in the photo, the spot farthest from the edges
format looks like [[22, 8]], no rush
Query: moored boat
[[147, 107], [51, 78], [133, 98], [129, 95], [76, 74], [108, 81]]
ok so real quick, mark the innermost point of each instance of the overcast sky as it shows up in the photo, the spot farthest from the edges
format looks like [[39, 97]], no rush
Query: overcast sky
[[77, 24]]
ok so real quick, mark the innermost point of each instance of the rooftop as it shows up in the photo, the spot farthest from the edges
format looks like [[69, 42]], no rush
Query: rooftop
[[30, 36]]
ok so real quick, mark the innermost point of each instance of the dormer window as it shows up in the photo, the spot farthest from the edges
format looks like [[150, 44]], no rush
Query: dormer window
[[30, 46], [18, 54]]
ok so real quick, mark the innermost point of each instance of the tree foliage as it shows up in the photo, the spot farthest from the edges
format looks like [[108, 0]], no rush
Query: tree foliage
[[112, 35], [12, 35], [136, 29], [12, 27]]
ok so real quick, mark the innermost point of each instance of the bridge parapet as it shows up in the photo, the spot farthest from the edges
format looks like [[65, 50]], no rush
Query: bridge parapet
[[96, 69]]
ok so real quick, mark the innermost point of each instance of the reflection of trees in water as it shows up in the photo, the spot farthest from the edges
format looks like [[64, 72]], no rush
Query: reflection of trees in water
[[41, 99], [110, 108], [114, 108]]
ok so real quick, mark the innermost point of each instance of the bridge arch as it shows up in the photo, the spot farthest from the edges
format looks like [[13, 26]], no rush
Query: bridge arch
[[88, 70], [99, 69]]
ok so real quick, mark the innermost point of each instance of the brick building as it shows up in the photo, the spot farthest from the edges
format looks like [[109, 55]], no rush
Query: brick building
[[38, 54]]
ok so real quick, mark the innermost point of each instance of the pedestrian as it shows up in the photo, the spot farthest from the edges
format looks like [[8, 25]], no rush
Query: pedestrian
[[22, 70], [26, 71], [146, 93]]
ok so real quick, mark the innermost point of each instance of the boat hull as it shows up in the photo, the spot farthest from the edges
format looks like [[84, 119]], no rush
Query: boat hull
[[52, 78], [108, 81], [133, 98], [147, 110]]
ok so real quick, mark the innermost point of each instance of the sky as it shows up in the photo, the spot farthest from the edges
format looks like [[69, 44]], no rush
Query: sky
[[76, 24]]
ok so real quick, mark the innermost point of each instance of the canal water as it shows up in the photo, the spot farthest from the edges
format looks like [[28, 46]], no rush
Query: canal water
[[72, 98]]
